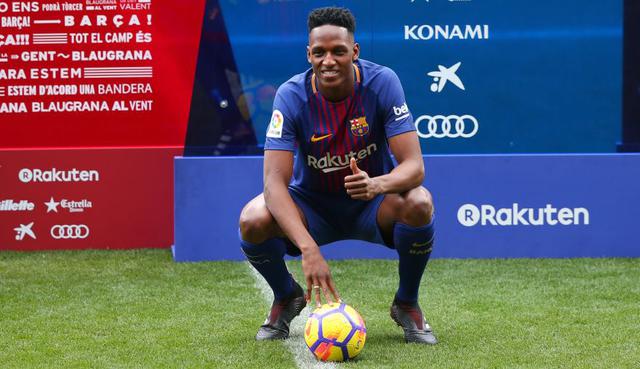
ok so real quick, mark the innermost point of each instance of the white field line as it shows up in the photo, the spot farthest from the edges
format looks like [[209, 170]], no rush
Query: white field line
[[295, 343]]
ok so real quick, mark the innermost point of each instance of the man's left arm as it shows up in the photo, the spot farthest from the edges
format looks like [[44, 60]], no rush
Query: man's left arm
[[403, 142], [408, 174]]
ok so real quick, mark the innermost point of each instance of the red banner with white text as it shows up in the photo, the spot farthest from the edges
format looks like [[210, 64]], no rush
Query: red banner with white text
[[123, 68]]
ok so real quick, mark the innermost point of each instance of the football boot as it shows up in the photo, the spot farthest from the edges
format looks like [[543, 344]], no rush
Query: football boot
[[276, 327], [410, 318]]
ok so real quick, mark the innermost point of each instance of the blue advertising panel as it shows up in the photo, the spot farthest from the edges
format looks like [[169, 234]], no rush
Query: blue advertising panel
[[486, 206], [480, 76]]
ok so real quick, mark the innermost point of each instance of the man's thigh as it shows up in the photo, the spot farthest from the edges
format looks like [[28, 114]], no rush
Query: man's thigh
[[366, 226], [257, 222], [392, 209], [318, 223]]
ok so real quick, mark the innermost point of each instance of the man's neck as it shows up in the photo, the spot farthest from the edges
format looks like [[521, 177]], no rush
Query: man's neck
[[336, 95]]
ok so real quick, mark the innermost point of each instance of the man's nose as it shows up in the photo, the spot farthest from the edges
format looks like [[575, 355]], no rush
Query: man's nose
[[328, 59]]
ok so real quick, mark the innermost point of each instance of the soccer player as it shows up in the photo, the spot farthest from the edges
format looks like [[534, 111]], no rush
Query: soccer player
[[343, 117]]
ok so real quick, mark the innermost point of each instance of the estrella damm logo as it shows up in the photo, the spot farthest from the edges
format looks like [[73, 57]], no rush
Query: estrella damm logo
[[359, 126]]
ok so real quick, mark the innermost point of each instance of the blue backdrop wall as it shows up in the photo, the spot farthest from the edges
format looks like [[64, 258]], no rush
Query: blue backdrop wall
[[537, 76], [487, 206]]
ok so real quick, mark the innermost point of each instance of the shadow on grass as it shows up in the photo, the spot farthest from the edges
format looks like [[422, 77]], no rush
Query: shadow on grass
[[385, 339]]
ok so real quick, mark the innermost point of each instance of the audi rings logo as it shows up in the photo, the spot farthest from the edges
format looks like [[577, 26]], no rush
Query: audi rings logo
[[449, 126], [70, 231]]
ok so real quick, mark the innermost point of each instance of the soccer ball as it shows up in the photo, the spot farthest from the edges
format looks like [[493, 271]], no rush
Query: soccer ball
[[335, 332]]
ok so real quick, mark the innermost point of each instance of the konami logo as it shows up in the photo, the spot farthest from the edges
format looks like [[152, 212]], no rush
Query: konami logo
[[470, 215], [427, 32]]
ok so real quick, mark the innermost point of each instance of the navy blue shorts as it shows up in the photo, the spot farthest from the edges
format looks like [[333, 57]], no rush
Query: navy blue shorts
[[333, 218]]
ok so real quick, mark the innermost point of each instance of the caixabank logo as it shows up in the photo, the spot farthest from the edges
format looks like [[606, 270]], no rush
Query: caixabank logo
[[470, 215]]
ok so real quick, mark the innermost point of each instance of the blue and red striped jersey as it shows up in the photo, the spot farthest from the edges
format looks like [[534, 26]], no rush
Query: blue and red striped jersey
[[326, 135]]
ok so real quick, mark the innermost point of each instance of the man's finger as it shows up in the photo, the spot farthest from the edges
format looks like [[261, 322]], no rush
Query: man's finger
[[334, 290], [360, 196], [316, 293], [307, 296], [352, 185], [325, 292], [356, 191], [354, 177], [354, 166]]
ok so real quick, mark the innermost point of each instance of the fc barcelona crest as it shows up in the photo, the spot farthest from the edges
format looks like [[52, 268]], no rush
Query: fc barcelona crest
[[359, 126]]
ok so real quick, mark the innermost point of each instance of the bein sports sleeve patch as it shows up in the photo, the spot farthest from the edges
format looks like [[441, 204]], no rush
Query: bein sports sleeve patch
[[275, 126]]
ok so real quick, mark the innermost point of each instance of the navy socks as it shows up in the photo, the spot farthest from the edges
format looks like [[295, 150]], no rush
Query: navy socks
[[268, 259], [413, 245]]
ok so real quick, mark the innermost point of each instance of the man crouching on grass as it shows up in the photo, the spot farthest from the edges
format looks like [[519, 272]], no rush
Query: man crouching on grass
[[344, 116]]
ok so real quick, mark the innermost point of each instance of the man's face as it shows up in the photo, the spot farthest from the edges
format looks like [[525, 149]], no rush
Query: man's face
[[331, 52]]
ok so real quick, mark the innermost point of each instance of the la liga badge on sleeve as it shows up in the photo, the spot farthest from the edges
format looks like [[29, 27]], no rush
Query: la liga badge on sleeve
[[275, 125]]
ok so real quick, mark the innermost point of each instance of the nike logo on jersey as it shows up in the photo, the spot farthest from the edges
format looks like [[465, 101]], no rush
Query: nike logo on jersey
[[316, 139]]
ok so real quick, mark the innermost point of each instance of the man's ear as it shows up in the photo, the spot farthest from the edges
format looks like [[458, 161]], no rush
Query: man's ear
[[309, 54], [356, 51]]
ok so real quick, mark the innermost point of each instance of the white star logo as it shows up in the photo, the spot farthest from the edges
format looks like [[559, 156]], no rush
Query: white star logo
[[24, 230], [52, 205]]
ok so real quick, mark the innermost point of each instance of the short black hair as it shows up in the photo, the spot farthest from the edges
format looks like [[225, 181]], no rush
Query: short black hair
[[340, 17]]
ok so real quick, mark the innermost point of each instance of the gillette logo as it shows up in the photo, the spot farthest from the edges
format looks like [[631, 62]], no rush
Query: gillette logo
[[19, 205], [330, 163], [470, 215]]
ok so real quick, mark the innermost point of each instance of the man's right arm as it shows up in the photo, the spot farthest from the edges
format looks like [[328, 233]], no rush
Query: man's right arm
[[278, 168]]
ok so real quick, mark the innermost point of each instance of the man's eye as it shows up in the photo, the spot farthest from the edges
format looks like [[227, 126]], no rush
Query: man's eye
[[318, 53]]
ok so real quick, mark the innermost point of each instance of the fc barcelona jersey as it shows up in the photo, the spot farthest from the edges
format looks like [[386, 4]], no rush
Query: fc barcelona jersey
[[325, 135]]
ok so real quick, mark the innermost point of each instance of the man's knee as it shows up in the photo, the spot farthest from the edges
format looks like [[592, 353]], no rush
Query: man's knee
[[256, 225], [417, 208]]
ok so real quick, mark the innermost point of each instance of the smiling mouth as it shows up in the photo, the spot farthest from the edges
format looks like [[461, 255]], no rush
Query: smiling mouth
[[329, 73]]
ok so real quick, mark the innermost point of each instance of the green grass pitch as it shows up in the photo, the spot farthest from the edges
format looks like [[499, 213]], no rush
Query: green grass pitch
[[139, 309]]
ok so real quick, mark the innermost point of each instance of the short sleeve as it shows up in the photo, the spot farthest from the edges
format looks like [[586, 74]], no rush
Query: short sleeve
[[397, 117], [281, 132]]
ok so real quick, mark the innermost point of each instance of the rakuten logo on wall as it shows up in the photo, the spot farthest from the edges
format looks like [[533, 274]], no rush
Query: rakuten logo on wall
[[427, 32], [27, 175], [470, 215]]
